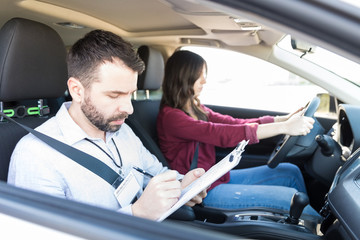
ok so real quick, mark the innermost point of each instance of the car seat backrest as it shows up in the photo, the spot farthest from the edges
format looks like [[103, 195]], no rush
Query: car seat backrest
[[32, 69], [151, 78], [143, 120]]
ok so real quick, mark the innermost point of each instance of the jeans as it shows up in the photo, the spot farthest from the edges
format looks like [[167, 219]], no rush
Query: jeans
[[259, 187]]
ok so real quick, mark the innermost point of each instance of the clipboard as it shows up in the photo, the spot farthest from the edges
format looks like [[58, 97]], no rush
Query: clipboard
[[214, 173]]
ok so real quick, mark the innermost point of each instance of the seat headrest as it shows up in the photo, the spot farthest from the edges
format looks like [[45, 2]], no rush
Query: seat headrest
[[32, 61], [152, 77]]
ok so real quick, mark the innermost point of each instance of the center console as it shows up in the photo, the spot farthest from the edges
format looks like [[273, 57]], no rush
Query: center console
[[259, 223]]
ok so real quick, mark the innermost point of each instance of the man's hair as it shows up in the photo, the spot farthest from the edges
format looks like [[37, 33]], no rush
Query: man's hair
[[96, 47], [182, 70]]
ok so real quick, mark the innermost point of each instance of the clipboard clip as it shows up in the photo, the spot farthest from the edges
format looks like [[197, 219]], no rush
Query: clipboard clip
[[240, 148]]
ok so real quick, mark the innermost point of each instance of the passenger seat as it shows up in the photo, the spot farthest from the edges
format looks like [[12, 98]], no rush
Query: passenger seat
[[33, 71]]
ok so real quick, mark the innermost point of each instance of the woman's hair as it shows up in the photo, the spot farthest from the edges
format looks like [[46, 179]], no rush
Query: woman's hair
[[182, 69], [96, 47]]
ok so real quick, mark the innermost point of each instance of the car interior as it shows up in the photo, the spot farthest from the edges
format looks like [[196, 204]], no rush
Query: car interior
[[33, 75], [143, 122]]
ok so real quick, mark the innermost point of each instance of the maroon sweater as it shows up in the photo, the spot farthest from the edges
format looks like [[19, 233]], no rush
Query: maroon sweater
[[178, 134]]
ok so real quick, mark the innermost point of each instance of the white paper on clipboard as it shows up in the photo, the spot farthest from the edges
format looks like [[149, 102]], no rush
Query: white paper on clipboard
[[214, 173]]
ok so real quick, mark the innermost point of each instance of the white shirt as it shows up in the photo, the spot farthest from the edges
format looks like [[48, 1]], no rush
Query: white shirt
[[36, 166]]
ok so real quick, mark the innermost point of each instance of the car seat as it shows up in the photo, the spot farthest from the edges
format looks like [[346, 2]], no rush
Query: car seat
[[33, 75]]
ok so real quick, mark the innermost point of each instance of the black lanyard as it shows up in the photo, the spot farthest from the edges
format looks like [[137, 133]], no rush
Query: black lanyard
[[117, 150]]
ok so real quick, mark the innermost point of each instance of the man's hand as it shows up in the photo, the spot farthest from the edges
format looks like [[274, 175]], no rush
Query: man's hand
[[162, 192], [188, 179]]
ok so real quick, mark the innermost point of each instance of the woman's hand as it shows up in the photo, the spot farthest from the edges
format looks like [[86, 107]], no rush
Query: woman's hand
[[284, 118], [298, 125], [294, 126]]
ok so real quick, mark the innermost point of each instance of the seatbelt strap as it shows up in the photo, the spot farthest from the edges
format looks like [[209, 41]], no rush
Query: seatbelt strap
[[91, 163], [194, 161]]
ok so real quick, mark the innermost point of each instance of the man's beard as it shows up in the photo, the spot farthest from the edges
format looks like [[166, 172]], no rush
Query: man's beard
[[98, 119]]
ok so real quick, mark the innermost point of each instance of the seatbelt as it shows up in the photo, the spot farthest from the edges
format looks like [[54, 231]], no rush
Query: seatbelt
[[194, 161], [91, 163], [95, 165]]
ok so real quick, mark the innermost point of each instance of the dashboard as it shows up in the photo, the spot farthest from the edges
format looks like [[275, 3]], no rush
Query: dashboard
[[348, 128], [342, 140], [344, 195], [342, 203]]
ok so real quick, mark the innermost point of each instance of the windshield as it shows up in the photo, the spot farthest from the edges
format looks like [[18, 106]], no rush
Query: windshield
[[235, 79], [337, 64]]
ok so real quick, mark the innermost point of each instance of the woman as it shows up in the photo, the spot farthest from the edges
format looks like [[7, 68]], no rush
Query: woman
[[184, 125]]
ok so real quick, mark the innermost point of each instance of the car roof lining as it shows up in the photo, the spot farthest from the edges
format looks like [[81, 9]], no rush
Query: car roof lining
[[147, 29]]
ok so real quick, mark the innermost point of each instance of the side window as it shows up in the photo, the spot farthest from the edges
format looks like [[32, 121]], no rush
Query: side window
[[239, 80]]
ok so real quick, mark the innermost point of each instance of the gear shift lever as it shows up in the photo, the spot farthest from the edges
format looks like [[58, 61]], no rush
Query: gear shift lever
[[298, 203]]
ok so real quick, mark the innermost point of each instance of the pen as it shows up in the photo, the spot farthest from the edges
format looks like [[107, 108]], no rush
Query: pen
[[143, 172]]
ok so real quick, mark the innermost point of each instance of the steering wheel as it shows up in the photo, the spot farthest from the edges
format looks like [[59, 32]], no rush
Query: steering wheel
[[284, 146]]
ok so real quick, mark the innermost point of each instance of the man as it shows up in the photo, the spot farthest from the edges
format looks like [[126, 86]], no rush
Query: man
[[103, 71]]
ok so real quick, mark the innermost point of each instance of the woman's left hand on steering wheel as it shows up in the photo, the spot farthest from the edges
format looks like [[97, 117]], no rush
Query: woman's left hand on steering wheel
[[288, 141], [284, 118]]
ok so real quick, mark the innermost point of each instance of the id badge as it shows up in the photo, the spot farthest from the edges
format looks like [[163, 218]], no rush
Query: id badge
[[127, 190]]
